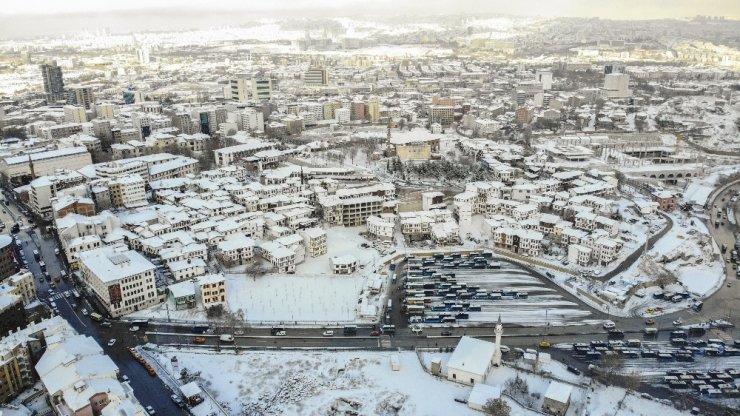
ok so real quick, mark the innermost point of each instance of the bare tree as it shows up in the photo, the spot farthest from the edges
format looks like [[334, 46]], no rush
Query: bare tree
[[497, 407]]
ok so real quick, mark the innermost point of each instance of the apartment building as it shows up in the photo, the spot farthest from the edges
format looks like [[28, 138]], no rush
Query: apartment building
[[121, 279], [283, 259], [45, 163], [518, 240], [382, 226], [21, 284], [211, 290], [315, 241], [229, 155], [236, 249], [128, 191], [343, 265], [45, 188]]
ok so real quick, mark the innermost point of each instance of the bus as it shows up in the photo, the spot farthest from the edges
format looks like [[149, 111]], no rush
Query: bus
[[390, 305], [96, 317], [350, 330]]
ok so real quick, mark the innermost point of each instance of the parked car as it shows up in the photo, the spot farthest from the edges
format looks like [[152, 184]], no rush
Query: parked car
[[544, 344], [150, 410], [134, 329], [650, 321], [446, 333], [199, 340], [112, 342], [374, 333], [84, 312], [177, 400], [328, 333]]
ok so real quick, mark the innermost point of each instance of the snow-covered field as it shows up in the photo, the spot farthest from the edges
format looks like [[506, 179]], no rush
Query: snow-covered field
[[313, 295], [363, 383]]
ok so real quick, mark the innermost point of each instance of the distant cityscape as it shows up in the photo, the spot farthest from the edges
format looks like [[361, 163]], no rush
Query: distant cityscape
[[451, 215]]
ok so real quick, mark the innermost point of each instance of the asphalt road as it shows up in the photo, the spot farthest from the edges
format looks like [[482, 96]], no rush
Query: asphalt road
[[148, 390], [151, 391]]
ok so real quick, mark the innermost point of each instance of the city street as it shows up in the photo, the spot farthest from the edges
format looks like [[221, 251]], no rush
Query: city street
[[149, 390]]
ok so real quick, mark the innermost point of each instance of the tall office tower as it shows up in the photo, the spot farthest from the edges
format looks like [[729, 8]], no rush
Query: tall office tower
[[261, 88], [316, 76], [143, 55], [82, 96], [53, 81]]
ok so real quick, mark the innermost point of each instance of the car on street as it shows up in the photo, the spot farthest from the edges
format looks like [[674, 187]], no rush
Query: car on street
[[505, 349], [177, 400], [280, 334], [84, 311], [112, 342], [134, 329], [650, 321], [124, 377], [328, 333], [574, 370], [609, 325], [199, 340], [150, 410], [374, 333], [106, 324], [544, 344], [445, 333]]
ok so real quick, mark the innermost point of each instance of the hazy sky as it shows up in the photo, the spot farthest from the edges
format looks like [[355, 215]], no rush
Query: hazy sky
[[616, 9]]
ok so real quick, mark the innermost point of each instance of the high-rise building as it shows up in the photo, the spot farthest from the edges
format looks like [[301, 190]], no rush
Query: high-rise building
[[261, 88], [316, 76], [372, 109], [53, 81], [74, 114], [357, 110], [239, 89], [82, 96], [105, 110], [544, 78], [143, 55]]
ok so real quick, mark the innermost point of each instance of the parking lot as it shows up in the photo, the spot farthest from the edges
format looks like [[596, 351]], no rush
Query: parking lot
[[470, 289]]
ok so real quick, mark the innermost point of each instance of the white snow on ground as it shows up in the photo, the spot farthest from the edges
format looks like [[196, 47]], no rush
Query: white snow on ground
[[310, 383], [689, 251], [295, 297], [310, 296], [319, 383]]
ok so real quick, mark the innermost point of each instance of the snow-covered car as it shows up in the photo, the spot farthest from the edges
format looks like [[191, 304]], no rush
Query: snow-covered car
[[134, 329], [328, 333], [112, 342], [609, 325], [150, 410]]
